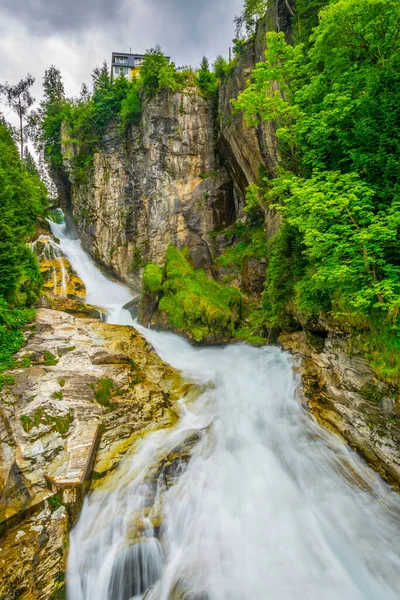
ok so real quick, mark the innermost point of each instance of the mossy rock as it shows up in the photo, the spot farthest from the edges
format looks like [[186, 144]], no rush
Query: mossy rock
[[189, 302]]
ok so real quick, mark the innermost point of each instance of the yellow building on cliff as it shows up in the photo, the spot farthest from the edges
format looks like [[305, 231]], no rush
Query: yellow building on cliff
[[126, 64]]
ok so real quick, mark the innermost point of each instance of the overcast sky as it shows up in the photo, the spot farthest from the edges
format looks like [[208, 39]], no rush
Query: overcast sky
[[78, 35]]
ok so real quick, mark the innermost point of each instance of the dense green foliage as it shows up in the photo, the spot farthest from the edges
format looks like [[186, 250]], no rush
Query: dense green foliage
[[157, 73], [22, 200], [208, 81], [191, 301], [338, 123]]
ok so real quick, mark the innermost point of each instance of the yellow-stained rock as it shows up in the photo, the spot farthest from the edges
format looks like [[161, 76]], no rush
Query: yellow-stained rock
[[344, 396], [33, 557]]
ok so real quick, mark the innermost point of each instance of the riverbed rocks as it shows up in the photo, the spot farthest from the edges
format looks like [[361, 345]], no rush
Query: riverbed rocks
[[343, 394], [81, 393], [33, 556], [59, 278]]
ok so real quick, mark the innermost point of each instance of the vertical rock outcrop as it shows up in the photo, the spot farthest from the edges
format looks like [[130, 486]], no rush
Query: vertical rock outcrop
[[249, 151], [160, 185]]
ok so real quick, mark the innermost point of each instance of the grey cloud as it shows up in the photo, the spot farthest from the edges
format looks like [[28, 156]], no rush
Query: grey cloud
[[77, 35], [51, 16]]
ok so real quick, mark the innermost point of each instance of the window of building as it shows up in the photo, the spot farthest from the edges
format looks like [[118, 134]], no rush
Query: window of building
[[121, 60]]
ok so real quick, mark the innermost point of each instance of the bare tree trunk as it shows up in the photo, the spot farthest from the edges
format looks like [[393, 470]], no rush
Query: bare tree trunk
[[21, 131], [289, 8], [22, 137]]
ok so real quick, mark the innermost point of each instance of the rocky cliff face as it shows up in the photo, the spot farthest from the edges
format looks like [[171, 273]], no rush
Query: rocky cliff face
[[345, 396], [162, 185], [249, 152]]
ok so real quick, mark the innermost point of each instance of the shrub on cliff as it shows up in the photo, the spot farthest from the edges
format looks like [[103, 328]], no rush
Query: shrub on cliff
[[208, 82], [157, 73]]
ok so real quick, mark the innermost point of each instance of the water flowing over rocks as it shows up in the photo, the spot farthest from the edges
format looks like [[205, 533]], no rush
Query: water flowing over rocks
[[93, 403], [345, 396], [195, 488], [82, 393]]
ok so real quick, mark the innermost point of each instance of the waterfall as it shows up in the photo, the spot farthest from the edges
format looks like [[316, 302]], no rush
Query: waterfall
[[269, 507]]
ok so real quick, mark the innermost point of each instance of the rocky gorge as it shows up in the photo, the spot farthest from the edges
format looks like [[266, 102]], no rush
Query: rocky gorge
[[95, 423], [83, 392], [179, 179]]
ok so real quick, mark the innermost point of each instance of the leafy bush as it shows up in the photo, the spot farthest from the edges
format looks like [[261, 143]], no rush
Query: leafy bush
[[131, 107]]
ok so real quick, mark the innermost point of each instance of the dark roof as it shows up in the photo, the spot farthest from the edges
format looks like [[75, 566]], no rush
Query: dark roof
[[130, 57]]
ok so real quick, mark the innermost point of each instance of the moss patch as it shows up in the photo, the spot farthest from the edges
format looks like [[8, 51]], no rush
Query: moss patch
[[152, 278], [49, 359], [194, 303], [103, 392], [59, 423]]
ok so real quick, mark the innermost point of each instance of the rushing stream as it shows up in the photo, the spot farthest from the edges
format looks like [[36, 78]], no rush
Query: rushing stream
[[269, 507]]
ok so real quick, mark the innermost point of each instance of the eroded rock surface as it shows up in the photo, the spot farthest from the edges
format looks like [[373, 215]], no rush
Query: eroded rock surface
[[345, 396], [160, 186], [33, 557], [83, 391]]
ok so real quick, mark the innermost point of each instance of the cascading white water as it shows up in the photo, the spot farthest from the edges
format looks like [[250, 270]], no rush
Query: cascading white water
[[269, 507], [100, 291]]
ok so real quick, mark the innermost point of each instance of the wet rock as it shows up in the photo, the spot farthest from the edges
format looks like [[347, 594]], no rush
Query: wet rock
[[73, 307], [343, 394], [252, 275], [91, 378], [133, 306], [102, 357], [33, 557], [59, 277]]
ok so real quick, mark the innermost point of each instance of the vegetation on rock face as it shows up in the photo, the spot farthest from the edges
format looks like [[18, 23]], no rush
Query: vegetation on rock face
[[191, 301], [338, 124], [152, 278], [22, 200], [103, 391], [80, 123]]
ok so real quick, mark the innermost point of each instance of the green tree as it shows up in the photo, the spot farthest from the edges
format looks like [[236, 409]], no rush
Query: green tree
[[220, 68], [22, 200], [207, 80], [336, 104], [131, 106], [46, 121], [19, 99], [157, 73]]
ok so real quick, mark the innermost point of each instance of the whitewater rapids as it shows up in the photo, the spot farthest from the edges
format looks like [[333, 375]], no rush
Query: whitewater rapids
[[269, 507]]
